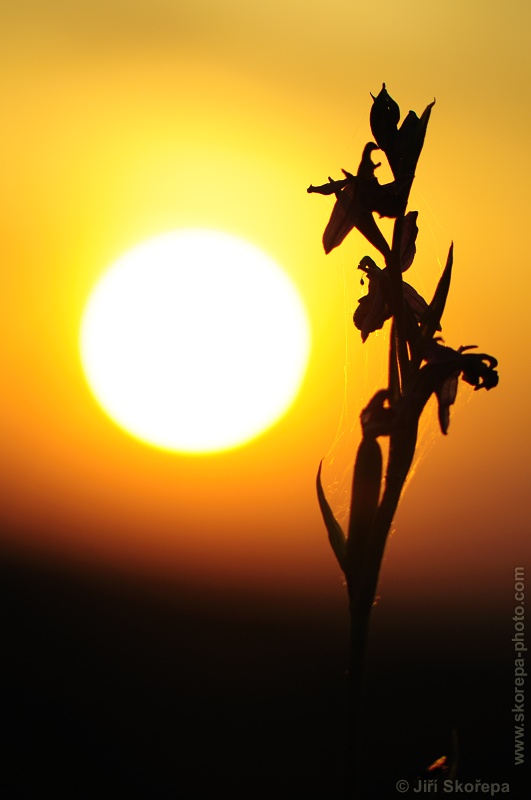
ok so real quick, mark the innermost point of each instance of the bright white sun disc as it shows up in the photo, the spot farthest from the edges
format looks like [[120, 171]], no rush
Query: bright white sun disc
[[195, 341]]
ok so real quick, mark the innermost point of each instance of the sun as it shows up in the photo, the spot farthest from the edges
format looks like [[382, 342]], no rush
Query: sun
[[195, 341]]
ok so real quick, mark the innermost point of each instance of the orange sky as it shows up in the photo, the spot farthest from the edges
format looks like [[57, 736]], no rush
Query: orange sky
[[125, 120]]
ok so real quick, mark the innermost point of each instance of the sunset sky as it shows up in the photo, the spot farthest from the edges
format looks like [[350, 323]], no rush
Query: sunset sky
[[123, 120]]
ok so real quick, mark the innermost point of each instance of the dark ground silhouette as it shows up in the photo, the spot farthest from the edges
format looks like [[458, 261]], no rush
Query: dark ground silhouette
[[112, 688]]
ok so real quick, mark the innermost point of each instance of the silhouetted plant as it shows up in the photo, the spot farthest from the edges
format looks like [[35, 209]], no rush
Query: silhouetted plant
[[419, 366]]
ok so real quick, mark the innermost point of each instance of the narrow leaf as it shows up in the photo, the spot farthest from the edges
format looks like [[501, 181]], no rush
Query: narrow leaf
[[336, 536], [432, 318]]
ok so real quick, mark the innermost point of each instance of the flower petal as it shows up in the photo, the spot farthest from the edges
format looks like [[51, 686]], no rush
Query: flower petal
[[373, 309], [371, 313], [347, 214], [479, 370], [446, 395], [410, 140], [384, 118]]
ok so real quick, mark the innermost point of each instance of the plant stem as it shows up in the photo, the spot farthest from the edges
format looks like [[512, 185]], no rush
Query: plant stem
[[397, 297], [359, 629], [362, 586]]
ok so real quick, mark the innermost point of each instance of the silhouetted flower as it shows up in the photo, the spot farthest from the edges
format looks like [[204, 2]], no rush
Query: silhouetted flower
[[403, 145], [358, 196], [440, 376], [443, 367], [376, 307]]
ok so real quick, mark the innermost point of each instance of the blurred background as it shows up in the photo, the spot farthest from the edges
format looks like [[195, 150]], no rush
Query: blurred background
[[174, 618]]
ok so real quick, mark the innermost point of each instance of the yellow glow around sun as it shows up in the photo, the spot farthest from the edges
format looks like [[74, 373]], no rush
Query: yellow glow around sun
[[195, 341]]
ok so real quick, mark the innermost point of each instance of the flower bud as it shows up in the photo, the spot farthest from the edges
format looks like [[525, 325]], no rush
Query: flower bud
[[384, 118]]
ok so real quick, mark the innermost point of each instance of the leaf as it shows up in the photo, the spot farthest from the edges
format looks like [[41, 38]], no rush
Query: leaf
[[432, 318], [366, 485], [336, 536]]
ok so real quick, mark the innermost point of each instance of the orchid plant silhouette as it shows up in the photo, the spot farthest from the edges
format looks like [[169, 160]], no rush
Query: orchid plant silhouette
[[419, 366]]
